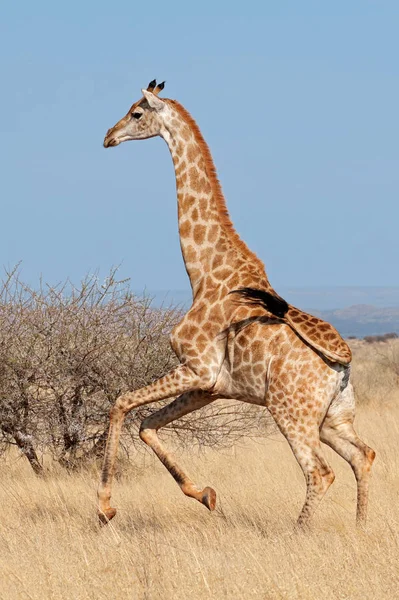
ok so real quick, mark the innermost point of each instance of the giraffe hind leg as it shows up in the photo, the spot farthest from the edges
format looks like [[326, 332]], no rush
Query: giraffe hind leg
[[148, 432], [337, 431], [306, 447], [318, 474]]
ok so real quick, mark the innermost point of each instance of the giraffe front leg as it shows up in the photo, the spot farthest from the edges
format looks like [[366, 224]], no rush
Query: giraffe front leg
[[148, 432], [178, 381]]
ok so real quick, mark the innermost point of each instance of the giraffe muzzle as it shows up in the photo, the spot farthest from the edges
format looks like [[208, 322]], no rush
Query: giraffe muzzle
[[110, 141]]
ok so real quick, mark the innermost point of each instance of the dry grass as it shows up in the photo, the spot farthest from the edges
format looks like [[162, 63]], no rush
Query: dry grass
[[162, 545]]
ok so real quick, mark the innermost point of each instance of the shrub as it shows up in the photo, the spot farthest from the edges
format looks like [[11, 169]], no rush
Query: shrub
[[67, 352]]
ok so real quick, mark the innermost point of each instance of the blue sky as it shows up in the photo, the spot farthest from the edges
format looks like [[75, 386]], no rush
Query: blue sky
[[297, 100]]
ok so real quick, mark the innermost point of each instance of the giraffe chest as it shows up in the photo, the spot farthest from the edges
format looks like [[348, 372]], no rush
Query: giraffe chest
[[199, 331]]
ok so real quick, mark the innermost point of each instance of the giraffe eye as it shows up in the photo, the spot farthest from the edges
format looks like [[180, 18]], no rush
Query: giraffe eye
[[137, 115]]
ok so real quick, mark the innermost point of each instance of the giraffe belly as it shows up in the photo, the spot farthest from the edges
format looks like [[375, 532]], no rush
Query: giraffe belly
[[268, 364], [247, 360]]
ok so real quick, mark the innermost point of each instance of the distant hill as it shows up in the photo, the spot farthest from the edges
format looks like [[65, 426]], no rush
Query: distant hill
[[335, 297], [362, 319]]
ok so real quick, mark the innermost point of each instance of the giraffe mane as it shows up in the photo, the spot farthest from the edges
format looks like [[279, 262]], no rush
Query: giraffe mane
[[214, 181]]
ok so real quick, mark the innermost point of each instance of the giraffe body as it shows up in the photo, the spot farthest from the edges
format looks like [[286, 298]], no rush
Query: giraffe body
[[239, 339]]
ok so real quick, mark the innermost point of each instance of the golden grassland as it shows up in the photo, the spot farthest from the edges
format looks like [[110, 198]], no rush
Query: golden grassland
[[163, 545]]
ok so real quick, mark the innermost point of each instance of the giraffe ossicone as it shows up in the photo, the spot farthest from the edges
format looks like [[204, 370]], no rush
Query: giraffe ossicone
[[239, 339]]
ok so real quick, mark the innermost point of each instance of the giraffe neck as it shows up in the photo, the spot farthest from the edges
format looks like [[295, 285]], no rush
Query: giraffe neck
[[207, 234]]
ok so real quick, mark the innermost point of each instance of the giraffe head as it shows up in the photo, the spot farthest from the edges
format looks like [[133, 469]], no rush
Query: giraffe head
[[143, 120]]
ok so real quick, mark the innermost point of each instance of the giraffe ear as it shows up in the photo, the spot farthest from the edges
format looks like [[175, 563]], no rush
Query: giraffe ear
[[154, 102], [158, 88]]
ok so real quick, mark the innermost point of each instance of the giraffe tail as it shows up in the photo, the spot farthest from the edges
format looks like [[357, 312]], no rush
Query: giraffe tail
[[319, 334], [272, 302]]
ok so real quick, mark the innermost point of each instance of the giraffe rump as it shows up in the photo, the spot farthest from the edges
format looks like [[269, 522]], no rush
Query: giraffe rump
[[332, 347], [271, 302]]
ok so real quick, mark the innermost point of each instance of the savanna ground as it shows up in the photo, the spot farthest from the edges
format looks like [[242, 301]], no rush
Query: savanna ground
[[163, 545]]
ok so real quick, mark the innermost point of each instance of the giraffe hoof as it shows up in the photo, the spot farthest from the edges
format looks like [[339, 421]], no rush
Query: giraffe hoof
[[302, 525], [106, 516], [209, 498]]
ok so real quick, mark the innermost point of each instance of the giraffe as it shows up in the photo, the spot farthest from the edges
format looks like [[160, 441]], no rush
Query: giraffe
[[239, 340]]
